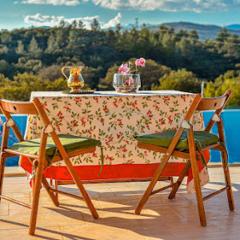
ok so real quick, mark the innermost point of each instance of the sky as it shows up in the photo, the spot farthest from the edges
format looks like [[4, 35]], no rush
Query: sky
[[27, 13]]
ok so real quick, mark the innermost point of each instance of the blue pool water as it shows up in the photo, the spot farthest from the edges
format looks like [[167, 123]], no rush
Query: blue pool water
[[232, 131], [21, 121], [231, 120]]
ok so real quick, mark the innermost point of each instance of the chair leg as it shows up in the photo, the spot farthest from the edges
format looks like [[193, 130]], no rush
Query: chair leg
[[4, 142], [195, 172], [54, 184], [2, 167], [35, 201], [80, 186], [179, 181], [152, 184], [50, 193], [56, 187], [227, 179]]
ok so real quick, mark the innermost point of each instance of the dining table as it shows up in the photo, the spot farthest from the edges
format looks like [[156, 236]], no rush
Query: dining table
[[115, 119]]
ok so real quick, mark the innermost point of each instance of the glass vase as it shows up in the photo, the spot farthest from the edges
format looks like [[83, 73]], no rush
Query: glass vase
[[126, 83]]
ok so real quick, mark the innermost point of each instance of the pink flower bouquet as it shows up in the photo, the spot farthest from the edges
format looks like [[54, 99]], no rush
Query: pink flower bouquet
[[129, 68], [140, 62], [124, 69]]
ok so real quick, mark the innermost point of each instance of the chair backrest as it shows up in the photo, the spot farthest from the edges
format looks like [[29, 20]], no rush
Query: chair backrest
[[29, 108], [13, 107], [215, 103]]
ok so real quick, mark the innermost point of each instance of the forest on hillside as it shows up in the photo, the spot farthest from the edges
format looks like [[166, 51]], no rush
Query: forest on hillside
[[30, 59]]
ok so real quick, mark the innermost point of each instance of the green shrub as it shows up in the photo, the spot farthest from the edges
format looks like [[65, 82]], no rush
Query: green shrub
[[229, 80], [181, 80], [22, 85]]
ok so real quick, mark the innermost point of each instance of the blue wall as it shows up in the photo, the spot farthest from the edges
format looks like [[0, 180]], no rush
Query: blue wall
[[232, 131]]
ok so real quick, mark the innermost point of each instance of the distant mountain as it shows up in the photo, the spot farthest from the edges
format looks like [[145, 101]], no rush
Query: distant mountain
[[234, 27], [204, 31]]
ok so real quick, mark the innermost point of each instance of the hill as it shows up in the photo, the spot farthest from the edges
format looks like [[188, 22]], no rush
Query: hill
[[204, 31], [234, 27], [44, 50]]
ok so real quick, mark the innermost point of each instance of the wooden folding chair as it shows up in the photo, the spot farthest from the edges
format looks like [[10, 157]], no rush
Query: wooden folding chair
[[190, 145], [49, 148]]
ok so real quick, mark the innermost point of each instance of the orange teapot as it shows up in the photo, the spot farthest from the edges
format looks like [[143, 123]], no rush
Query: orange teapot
[[75, 80]]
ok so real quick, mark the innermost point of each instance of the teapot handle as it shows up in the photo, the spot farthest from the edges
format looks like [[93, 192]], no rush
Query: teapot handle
[[63, 69]]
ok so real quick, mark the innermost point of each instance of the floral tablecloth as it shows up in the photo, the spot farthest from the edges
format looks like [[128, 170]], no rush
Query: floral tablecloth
[[114, 119]]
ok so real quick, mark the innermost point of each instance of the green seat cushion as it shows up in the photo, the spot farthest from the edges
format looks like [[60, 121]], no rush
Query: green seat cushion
[[163, 139], [69, 142]]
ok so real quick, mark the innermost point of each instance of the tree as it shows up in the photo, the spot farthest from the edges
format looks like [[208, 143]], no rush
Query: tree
[[5, 37], [118, 28], [73, 41], [3, 49], [33, 46], [95, 25], [229, 80], [30, 65], [20, 48], [151, 73], [50, 73], [231, 47], [91, 76], [80, 24], [223, 35], [52, 44], [184, 47], [22, 85], [3, 67], [194, 35], [61, 37], [62, 24], [74, 24], [106, 83], [181, 80]]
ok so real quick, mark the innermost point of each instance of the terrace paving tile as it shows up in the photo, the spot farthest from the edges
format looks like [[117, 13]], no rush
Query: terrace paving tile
[[115, 202]]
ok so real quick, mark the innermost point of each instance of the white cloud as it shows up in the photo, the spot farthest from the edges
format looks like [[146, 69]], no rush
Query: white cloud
[[53, 2], [39, 20], [112, 4], [148, 5], [168, 5], [113, 22]]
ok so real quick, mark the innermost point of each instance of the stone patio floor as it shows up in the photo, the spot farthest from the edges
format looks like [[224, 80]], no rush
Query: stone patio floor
[[115, 202]]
